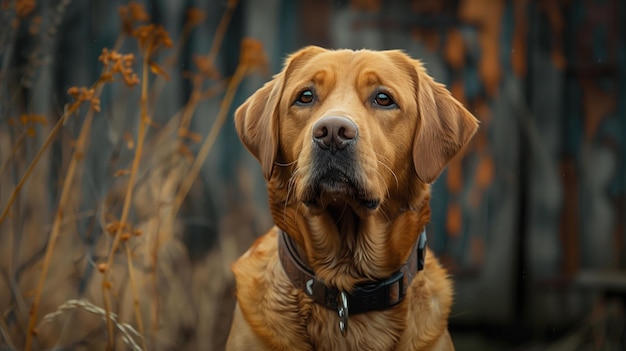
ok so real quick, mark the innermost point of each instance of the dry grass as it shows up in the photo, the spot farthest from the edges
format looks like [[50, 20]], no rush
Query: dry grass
[[115, 274]]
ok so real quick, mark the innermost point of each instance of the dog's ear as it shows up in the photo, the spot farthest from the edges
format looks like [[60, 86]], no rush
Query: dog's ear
[[445, 127], [256, 120]]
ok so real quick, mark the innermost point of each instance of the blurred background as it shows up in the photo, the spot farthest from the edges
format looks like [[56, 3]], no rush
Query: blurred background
[[126, 194]]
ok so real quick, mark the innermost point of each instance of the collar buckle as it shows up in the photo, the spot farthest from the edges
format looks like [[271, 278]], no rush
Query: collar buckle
[[342, 311]]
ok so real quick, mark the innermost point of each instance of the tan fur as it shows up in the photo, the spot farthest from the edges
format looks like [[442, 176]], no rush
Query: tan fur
[[399, 152]]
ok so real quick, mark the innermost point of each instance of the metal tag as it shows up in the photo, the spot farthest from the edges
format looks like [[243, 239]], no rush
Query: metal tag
[[342, 311]]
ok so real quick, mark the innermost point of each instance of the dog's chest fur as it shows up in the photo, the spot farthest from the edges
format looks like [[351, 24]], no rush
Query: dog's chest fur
[[297, 323]]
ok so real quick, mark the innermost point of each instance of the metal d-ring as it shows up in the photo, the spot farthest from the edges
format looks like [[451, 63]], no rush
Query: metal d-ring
[[342, 311]]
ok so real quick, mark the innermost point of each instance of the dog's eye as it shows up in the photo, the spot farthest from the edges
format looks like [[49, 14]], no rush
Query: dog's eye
[[384, 100], [306, 97]]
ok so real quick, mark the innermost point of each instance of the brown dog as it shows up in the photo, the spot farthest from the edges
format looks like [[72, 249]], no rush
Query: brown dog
[[349, 142]]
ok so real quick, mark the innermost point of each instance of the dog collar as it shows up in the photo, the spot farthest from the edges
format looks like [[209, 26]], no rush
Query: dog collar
[[365, 297]]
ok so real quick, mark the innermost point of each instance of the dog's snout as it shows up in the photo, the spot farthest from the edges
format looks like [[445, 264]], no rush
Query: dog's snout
[[334, 132]]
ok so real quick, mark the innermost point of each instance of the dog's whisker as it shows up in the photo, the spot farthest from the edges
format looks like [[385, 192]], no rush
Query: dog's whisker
[[395, 177], [375, 159], [382, 179], [290, 189], [388, 168], [285, 164], [298, 208], [343, 210], [385, 215]]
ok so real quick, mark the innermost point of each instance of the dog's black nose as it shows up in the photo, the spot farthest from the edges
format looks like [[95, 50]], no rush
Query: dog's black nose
[[334, 132]]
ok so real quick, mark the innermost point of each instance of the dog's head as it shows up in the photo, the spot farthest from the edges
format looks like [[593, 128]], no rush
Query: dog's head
[[348, 135]]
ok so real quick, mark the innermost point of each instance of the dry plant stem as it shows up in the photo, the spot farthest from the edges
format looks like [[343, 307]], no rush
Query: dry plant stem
[[220, 32], [18, 144], [77, 155], [154, 325], [133, 285], [143, 119], [190, 107], [198, 95], [159, 80], [155, 256], [55, 130], [210, 139], [221, 29], [10, 260]]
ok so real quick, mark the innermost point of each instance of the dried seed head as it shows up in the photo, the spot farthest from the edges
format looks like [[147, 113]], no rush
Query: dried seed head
[[83, 94], [24, 8], [133, 12], [102, 267], [73, 91], [116, 63], [186, 152], [253, 56], [137, 12], [152, 36], [206, 67], [111, 228], [195, 16], [121, 172]]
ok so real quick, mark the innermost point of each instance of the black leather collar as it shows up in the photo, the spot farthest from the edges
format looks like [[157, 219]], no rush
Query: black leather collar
[[367, 296]]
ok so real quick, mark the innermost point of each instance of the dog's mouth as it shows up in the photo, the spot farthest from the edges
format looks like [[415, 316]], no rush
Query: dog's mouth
[[339, 193]]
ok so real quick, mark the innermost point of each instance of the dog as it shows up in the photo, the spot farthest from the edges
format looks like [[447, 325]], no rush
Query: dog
[[349, 143]]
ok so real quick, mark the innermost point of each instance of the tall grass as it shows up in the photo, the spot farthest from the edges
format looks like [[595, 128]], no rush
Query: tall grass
[[126, 279]]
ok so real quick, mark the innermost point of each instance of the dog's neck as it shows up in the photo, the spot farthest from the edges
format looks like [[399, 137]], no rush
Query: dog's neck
[[377, 246], [368, 296]]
